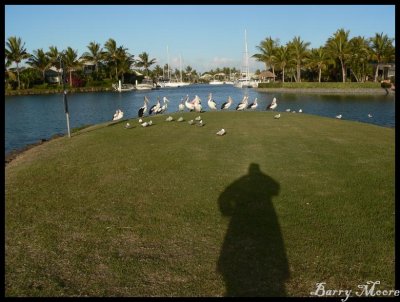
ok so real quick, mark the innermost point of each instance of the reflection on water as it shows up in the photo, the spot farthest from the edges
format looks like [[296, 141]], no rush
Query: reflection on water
[[31, 118]]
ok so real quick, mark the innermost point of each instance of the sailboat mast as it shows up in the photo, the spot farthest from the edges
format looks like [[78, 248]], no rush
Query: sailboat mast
[[246, 54], [168, 63], [180, 66]]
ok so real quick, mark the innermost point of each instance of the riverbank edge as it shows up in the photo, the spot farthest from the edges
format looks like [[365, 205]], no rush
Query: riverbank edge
[[74, 90], [376, 91]]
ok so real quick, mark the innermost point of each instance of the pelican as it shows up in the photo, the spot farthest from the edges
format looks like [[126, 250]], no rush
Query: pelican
[[253, 105], [211, 103], [155, 107], [188, 104], [300, 110], [118, 115], [227, 104], [181, 106], [164, 107], [339, 116], [221, 132], [243, 104], [146, 124], [180, 119], [143, 109], [277, 116], [273, 104], [169, 119], [369, 115], [197, 104]]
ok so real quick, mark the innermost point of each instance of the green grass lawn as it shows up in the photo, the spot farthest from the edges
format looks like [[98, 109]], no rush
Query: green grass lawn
[[271, 208]]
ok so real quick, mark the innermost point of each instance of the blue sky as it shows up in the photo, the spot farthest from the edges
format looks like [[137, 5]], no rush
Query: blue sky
[[205, 36]]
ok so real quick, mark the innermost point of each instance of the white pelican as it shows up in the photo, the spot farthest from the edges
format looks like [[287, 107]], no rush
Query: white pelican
[[180, 119], [227, 104], [288, 110], [211, 103], [277, 116], [197, 104], [164, 106], [118, 115], [155, 107], [181, 106], [369, 115], [273, 104], [169, 119], [188, 104], [300, 110], [243, 104], [221, 132], [339, 116], [143, 109], [253, 105]]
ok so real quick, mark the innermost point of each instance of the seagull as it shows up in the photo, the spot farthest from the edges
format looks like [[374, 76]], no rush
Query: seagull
[[146, 124], [181, 106], [118, 115], [277, 116], [155, 107], [253, 105], [288, 110], [180, 119], [369, 115], [198, 118], [273, 104], [169, 119], [293, 111], [243, 104], [211, 103], [339, 116], [143, 109], [300, 110], [127, 125], [221, 132], [191, 122], [188, 104], [227, 104], [140, 120], [200, 123]]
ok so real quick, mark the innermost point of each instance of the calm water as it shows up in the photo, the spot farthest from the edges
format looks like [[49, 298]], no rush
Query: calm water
[[31, 118]]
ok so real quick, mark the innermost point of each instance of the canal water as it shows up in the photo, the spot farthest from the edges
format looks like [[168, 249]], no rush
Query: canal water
[[29, 119]]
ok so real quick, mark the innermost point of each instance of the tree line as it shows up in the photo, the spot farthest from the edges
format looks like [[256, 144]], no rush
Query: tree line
[[340, 59]]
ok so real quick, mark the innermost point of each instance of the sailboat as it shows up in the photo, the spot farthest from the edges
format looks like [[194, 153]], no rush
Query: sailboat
[[245, 81], [174, 84]]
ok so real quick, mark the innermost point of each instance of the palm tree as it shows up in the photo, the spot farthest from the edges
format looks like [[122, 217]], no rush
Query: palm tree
[[360, 55], [268, 49], [16, 52], [144, 62], [40, 61], [95, 54], [299, 52], [54, 56], [112, 54], [124, 61], [338, 47], [318, 59], [380, 46], [282, 59], [71, 62]]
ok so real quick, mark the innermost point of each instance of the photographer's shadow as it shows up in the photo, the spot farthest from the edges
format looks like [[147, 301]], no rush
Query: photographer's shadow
[[253, 258]]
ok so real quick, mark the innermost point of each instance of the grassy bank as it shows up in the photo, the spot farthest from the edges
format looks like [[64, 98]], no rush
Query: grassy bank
[[323, 85], [271, 208]]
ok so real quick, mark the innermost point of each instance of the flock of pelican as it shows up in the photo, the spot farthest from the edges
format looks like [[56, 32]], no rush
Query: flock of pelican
[[195, 105]]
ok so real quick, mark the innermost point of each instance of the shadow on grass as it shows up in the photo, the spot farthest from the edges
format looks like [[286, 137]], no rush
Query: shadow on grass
[[253, 258]]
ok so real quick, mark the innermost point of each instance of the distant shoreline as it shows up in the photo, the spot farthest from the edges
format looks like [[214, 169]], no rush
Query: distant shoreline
[[374, 91]]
